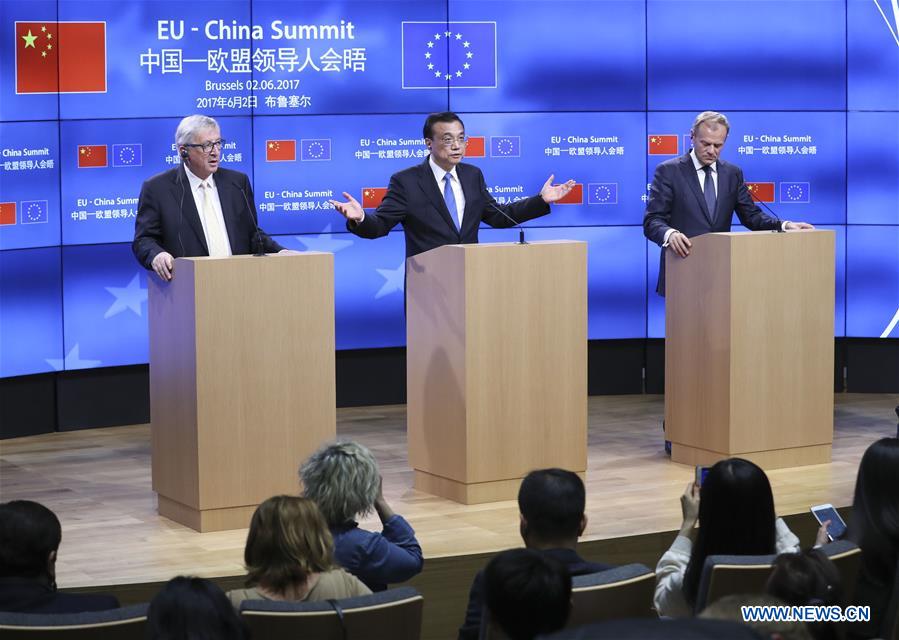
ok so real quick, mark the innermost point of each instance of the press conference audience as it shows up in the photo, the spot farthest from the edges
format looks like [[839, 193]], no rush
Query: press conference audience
[[290, 556], [808, 578], [528, 593], [734, 509], [30, 535], [874, 527], [551, 504], [731, 608], [188, 608], [343, 480]]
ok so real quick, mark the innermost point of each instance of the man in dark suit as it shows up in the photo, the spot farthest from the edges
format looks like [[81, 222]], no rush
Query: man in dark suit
[[551, 503], [443, 201], [188, 211], [698, 192]]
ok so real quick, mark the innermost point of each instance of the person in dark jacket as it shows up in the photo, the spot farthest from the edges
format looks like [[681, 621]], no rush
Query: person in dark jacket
[[551, 502], [343, 479], [29, 542]]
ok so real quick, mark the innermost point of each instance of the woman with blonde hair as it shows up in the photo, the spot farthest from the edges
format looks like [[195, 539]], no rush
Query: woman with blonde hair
[[290, 556], [344, 481]]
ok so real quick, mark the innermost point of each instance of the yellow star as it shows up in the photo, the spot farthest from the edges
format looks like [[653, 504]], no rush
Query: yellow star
[[29, 40], [83, 150], [49, 36], [49, 46], [44, 54], [44, 28], [271, 145]]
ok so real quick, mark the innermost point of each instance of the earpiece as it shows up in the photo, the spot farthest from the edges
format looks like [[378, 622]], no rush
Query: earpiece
[[184, 153]]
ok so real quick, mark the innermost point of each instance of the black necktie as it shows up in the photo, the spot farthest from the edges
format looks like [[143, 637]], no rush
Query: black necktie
[[708, 188]]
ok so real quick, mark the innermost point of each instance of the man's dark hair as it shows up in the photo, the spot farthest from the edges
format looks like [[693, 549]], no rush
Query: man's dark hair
[[28, 533], [188, 608], [434, 118], [527, 593], [552, 502]]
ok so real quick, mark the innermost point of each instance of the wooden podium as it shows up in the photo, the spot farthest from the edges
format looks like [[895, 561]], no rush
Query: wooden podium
[[496, 366], [241, 382], [749, 349]]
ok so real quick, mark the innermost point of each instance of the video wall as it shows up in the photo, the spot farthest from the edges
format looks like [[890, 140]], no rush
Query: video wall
[[315, 98]]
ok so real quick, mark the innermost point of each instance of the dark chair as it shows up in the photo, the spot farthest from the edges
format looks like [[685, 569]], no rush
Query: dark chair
[[724, 575], [890, 625], [395, 614], [622, 592], [126, 623]]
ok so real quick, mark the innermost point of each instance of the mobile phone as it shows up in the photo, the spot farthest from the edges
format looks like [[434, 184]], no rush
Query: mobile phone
[[824, 512], [701, 473]]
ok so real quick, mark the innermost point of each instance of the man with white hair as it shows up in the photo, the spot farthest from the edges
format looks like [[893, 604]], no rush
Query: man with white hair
[[198, 208]]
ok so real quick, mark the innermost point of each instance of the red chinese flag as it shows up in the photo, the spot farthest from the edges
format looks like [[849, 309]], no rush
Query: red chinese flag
[[575, 196], [475, 148], [372, 196], [761, 191], [7, 213], [91, 155], [280, 150], [60, 57], [665, 145]]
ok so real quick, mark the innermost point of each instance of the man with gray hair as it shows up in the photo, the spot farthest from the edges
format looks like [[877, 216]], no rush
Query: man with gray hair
[[198, 208], [698, 192]]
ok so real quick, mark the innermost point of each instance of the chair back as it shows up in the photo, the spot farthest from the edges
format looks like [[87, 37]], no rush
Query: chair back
[[622, 592], [395, 613], [725, 575], [847, 558], [126, 623]]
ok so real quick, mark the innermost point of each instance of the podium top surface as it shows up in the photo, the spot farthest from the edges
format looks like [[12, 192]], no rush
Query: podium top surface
[[252, 257], [732, 234], [486, 246]]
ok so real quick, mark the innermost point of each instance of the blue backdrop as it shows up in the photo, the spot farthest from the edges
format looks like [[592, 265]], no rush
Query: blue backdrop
[[340, 89]]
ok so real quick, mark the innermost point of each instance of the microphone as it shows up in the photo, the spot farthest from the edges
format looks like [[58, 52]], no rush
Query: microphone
[[515, 222], [257, 235], [780, 228]]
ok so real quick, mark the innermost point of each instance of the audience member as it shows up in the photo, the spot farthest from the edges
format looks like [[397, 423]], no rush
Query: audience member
[[874, 526], [731, 608], [735, 512], [551, 504], [189, 608], [290, 556], [527, 593], [343, 479], [29, 543], [808, 578]]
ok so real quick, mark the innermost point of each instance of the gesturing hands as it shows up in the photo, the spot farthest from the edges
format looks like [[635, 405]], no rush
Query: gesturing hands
[[351, 209], [555, 192]]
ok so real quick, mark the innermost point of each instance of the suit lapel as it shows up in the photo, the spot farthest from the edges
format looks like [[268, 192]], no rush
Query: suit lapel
[[183, 194], [723, 187], [690, 175], [470, 217], [429, 185]]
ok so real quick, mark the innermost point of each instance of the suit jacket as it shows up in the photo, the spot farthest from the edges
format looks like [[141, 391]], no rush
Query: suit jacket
[[378, 559], [414, 199], [167, 217], [31, 595], [676, 201]]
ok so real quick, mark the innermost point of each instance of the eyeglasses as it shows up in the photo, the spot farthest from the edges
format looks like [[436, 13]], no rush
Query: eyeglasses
[[448, 141], [207, 147]]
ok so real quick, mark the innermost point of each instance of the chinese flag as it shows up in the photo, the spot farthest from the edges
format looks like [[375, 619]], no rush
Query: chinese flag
[[663, 145], [475, 148], [60, 57], [280, 150], [7, 213], [761, 191], [91, 155], [575, 196], [372, 196]]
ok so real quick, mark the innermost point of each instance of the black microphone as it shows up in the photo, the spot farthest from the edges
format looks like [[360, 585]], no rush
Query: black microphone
[[780, 227], [515, 222], [257, 236]]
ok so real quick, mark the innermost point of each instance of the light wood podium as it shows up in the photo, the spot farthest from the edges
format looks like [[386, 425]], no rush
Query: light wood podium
[[241, 382], [749, 349], [496, 366]]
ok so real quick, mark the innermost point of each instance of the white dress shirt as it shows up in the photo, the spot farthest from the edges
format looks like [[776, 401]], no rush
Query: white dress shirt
[[456, 186], [197, 191]]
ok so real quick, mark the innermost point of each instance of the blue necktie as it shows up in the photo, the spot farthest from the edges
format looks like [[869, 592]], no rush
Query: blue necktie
[[708, 189], [450, 199]]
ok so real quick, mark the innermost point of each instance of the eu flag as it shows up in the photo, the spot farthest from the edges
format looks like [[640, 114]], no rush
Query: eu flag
[[437, 55], [795, 192], [35, 211], [315, 149], [127, 155], [505, 146], [602, 193]]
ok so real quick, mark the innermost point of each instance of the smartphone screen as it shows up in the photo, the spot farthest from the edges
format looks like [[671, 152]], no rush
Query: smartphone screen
[[837, 527], [701, 473]]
